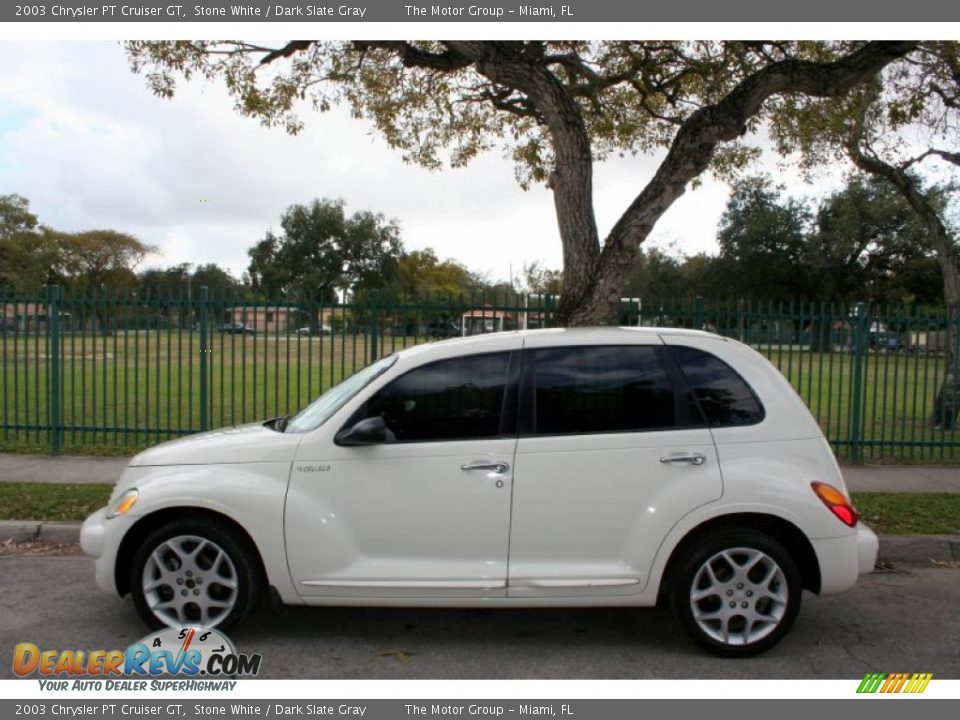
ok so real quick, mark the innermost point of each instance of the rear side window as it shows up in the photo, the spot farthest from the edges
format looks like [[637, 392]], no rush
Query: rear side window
[[582, 390], [458, 399], [724, 396]]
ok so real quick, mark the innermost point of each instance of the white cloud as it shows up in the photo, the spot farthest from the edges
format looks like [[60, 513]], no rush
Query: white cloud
[[88, 144]]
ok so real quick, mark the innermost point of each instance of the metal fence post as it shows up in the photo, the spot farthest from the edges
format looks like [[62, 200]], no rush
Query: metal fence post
[[374, 324], [698, 312], [204, 360], [860, 329], [54, 370]]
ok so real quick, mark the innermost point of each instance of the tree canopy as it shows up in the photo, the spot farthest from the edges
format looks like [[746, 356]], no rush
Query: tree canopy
[[26, 250], [762, 239], [32, 254], [554, 107], [320, 250]]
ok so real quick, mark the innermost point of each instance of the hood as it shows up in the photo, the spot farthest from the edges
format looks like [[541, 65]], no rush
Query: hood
[[241, 444]]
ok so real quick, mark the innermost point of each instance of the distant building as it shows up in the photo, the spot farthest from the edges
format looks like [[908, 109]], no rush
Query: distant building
[[26, 317], [263, 319], [487, 320]]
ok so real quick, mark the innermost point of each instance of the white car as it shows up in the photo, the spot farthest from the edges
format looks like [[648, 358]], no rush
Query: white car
[[321, 330], [546, 468]]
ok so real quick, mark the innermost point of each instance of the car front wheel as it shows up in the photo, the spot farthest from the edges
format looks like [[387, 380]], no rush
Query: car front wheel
[[195, 572], [737, 592]]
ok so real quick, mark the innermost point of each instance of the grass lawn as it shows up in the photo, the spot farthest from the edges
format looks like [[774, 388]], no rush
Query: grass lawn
[[910, 513], [886, 513], [50, 501]]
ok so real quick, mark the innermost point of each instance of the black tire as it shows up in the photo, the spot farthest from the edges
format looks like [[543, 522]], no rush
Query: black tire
[[774, 612], [243, 569]]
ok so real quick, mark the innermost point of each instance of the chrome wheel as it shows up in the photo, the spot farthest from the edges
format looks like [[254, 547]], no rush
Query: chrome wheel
[[739, 596], [189, 580]]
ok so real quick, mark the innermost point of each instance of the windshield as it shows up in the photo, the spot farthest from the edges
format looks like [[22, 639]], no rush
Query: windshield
[[320, 410]]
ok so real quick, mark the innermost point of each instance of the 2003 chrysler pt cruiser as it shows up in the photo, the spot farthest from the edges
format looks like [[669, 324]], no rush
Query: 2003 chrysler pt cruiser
[[577, 467]]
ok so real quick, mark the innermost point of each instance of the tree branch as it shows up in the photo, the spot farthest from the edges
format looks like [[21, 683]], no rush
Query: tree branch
[[413, 57], [287, 50], [909, 187], [698, 136]]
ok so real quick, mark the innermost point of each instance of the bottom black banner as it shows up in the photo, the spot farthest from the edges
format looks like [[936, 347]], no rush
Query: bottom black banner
[[877, 709]]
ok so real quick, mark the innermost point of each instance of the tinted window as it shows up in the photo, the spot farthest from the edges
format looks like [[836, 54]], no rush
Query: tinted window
[[459, 399], [725, 398], [602, 389]]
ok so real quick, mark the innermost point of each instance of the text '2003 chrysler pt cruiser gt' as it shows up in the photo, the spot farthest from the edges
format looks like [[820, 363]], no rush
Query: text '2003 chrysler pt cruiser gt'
[[549, 468]]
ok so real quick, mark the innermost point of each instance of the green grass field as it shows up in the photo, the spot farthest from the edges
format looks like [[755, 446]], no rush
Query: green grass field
[[127, 391]]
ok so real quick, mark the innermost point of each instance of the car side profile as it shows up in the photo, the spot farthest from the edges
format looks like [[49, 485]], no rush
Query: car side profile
[[548, 468]]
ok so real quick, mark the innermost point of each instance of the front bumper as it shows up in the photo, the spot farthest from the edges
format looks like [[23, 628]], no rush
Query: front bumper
[[100, 538]]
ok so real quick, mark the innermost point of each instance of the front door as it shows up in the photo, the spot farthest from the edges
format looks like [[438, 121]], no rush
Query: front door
[[426, 514]]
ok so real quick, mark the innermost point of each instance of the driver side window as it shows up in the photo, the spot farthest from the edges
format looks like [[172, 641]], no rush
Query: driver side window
[[456, 399]]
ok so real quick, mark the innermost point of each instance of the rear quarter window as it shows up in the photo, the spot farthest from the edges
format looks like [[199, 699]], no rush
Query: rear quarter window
[[724, 396]]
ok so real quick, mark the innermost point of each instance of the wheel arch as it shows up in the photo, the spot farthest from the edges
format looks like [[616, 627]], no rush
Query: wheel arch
[[148, 523], [783, 531]]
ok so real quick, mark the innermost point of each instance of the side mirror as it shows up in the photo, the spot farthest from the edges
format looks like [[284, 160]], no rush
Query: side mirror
[[370, 431]]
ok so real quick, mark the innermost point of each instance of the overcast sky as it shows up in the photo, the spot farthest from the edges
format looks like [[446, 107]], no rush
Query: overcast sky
[[84, 140]]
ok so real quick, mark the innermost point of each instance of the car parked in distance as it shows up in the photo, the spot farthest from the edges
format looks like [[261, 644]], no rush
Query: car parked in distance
[[321, 330], [631, 467], [236, 329], [442, 329], [880, 337]]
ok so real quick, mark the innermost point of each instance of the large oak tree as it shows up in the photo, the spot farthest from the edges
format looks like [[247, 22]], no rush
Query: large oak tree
[[555, 107]]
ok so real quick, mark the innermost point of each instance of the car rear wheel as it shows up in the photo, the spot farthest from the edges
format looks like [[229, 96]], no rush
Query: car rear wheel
[[195, 572], [737, 592]]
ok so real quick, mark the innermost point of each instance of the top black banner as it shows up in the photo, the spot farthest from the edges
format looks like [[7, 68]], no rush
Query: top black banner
[[411, 11]]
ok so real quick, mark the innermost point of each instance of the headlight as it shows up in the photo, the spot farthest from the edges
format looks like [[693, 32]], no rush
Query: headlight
[[123, 503]]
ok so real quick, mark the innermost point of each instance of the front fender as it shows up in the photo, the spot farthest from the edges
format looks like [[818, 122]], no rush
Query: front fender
[[250, 494]]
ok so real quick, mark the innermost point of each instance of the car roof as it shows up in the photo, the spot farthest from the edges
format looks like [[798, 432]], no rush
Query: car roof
[[557, 336]]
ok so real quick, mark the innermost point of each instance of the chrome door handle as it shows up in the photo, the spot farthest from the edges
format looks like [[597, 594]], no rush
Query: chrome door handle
[[692, 458], [497, 467]]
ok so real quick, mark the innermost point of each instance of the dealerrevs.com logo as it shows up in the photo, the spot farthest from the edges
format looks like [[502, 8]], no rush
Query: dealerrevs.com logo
[[189, 652], [911, 683]]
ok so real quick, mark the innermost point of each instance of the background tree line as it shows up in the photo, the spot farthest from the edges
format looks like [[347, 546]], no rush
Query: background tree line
[[861, 243]]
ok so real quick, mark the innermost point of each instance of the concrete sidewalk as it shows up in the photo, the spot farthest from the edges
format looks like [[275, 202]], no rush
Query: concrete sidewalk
[[85, 469], [62, 469], [901, 478]]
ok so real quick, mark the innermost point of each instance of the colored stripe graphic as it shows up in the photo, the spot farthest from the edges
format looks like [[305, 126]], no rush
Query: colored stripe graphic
[[894, 683]]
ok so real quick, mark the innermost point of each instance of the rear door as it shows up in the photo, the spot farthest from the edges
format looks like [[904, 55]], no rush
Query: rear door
[[612, 453]]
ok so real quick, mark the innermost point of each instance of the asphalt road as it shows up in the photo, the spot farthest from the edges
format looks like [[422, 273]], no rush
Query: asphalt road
[[891, 622]]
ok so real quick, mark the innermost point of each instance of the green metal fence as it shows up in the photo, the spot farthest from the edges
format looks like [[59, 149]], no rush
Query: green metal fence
[[110, 373]]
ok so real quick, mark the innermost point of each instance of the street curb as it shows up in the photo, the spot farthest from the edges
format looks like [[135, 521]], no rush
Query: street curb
[[61, 533], [919, 549], [909, 549]]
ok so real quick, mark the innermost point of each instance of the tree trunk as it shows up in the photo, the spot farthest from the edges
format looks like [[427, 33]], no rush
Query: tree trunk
[[593, 278], [945, 404], [819, 335]]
